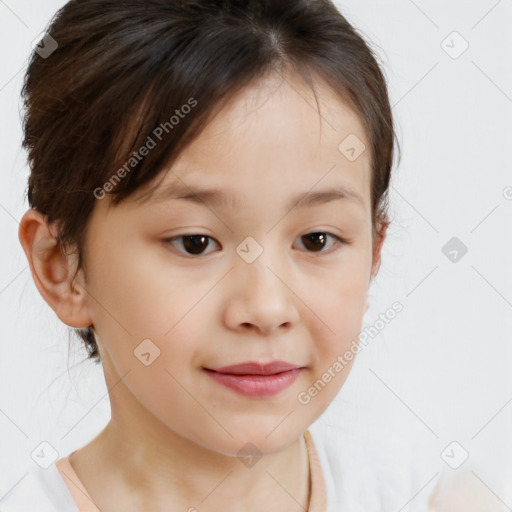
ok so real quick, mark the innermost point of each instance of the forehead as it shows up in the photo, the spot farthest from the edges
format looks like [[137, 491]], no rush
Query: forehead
[[281, 113], [275, 134]]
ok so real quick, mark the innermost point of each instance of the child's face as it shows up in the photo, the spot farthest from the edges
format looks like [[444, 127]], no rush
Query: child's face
[[207, 303]]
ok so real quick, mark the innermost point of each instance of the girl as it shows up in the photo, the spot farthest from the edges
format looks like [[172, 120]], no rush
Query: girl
[[207, 210]]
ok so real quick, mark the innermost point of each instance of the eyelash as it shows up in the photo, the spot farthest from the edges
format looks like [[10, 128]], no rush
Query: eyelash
[[339, 240]]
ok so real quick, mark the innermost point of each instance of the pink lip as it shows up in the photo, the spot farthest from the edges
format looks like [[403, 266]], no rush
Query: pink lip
[[255, 368], [256, 380]]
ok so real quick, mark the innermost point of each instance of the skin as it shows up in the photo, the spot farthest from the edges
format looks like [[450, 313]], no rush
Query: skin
[[296, 302]]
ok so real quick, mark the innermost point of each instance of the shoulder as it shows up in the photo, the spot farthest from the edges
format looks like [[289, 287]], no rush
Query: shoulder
[[38, 489], [463, 489], [362, 473]]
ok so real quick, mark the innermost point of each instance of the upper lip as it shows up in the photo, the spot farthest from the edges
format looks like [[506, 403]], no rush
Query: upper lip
[[256, 368]]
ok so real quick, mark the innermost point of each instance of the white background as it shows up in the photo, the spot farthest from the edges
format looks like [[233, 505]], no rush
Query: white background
[[437, 373]]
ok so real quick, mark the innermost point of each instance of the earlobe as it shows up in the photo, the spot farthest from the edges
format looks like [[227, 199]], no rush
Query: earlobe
[[52, 270]]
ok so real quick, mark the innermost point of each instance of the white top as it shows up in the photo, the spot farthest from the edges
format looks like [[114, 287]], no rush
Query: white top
[[352, 479]]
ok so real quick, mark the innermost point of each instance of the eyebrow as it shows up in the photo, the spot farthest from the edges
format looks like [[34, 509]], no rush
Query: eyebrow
[[218, 197]]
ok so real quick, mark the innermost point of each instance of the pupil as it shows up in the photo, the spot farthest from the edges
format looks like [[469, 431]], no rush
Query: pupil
[[315, 236], [195, 245]]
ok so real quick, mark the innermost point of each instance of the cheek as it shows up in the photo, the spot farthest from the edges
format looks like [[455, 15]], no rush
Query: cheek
[[137, 297], [340, 308], [341, 303]]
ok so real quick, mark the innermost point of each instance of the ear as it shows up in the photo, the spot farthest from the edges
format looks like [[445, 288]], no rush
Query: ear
[[52, 270], [382, 230]]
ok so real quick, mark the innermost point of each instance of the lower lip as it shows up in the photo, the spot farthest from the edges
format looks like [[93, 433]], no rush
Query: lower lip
[[256, 386]]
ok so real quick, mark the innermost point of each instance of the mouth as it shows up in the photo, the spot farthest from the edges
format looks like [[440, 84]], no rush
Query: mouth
[[256, 380], [256, 368]]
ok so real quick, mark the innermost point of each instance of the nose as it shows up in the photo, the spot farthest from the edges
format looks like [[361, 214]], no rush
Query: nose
[[260, 298]]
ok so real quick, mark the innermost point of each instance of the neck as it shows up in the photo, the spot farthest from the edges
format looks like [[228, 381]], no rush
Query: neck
[[136, 461]]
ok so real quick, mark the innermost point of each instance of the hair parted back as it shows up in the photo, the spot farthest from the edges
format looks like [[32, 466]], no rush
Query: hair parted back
[[122, 68]]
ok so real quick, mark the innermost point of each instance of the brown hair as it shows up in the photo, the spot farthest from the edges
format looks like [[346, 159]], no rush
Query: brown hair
[[122, 70]]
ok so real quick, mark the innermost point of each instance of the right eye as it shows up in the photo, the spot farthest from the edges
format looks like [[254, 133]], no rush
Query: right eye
[[192, 244]]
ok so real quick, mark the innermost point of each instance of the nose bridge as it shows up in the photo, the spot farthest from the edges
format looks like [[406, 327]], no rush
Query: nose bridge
[[261, 297], [259, 274]]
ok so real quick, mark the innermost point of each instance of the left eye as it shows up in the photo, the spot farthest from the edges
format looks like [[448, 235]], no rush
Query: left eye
[[196, 243], [318, 240]]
